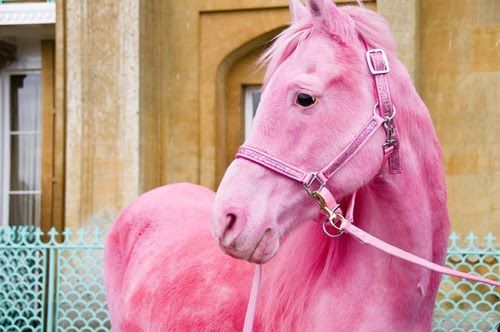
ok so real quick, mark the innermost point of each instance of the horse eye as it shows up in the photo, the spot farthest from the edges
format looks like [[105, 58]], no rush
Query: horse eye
[[305, 100]]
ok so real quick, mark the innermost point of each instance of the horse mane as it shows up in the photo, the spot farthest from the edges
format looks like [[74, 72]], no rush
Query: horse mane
[[308, 258]]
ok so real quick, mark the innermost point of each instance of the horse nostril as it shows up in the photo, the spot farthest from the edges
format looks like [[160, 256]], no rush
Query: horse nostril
[[230, 230], [231, 218]]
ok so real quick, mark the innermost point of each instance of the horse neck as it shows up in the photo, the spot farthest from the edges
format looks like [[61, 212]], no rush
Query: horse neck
[[407, 210]]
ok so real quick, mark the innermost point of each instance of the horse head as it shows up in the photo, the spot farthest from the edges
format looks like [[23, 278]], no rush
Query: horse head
[[318, 93]]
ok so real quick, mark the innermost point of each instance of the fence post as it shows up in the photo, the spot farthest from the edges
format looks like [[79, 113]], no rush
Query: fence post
[[52, 280]]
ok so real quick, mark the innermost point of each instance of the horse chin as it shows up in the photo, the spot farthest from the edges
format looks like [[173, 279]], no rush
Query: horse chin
[[264, 252], [265, 249]]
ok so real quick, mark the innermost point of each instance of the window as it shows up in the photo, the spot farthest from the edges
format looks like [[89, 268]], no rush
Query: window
[[252, 99], [21, 149]]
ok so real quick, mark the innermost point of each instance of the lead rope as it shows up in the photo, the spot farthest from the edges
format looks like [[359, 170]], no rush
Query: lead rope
[[257, 277], [347, 226], [365, 238], [252, 301]]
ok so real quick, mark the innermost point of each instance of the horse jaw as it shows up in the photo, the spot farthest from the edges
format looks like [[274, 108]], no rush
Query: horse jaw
[[263, 217]]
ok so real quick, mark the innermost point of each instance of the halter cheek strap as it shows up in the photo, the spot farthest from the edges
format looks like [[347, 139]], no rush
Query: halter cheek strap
[[379, 67]]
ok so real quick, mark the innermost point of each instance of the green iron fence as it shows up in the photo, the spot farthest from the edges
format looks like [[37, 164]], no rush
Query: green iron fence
[[463, 305], [51, 285], [56, 283]]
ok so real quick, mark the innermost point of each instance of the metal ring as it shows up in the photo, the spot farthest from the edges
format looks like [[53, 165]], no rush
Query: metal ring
[[386, 118], [328, 233], [392, 115]]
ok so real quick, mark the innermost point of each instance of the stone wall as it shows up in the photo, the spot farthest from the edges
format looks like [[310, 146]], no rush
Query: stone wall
[[459, 80], [147, 93]]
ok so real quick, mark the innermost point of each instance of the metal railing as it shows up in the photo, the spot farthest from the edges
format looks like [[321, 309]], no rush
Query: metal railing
[[463, 305], [55, 283]]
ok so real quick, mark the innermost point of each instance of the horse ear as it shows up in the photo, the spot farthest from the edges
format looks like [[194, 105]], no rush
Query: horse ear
[[297, 10], [328, 16]]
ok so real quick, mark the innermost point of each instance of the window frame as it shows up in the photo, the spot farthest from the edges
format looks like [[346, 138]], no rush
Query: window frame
[[5, 134]]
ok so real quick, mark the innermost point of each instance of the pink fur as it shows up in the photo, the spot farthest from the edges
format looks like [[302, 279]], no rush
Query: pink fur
[[164, 271]]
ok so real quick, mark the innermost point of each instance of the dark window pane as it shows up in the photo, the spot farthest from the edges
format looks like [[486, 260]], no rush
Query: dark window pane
[[25, 102], [24, 209], [25, 162], [255, 100]]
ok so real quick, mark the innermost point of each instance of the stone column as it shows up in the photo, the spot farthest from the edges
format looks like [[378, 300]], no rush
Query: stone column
[[102, 109], [403, 19]]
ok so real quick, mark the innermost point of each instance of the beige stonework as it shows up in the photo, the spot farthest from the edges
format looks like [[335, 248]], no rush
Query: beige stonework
[[102, 104], [218, 54], [460, 81], [402, 16], [153, 93]]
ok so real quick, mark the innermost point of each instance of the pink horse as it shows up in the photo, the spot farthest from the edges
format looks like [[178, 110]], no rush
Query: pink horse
[[164, 272]]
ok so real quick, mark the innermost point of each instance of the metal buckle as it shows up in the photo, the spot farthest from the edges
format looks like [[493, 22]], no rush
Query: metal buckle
[[332, 215], [370, 63], [314, 178]]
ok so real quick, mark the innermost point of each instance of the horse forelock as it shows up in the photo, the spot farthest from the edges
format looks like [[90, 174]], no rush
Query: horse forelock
[[369, 25]]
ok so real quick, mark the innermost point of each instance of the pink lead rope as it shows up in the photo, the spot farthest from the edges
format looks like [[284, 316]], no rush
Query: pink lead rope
[[347, 226], [252, 301], [315, 182], [365, 238]]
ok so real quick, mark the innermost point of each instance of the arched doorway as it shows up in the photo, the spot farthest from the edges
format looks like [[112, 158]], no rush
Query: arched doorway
[[239, 78], [226, 37]]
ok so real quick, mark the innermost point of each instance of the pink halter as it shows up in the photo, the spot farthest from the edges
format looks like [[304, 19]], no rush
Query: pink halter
[[315, 182]]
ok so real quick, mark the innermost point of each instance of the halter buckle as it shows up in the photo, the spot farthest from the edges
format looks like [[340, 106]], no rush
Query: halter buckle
[[308, 185], [374, 71]]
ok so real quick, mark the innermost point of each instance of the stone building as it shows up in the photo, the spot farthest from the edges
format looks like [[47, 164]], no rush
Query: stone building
[[104, 100]]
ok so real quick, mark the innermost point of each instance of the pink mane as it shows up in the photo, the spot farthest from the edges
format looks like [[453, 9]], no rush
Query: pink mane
[[308, 259], [370, 25]]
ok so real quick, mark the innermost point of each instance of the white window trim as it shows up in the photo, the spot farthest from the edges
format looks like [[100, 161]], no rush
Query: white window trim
[[28, 13], [5, 137], [27, 132]]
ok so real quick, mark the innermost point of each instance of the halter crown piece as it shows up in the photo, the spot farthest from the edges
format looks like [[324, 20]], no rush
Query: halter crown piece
[[315, 182]]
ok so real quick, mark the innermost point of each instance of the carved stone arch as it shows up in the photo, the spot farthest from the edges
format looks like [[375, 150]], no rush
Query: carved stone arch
[[235, 72], [227, 39]]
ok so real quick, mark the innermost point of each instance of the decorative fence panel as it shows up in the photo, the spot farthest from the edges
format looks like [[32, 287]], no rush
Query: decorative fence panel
[[55, 283], [52, 285], [463, 305]]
